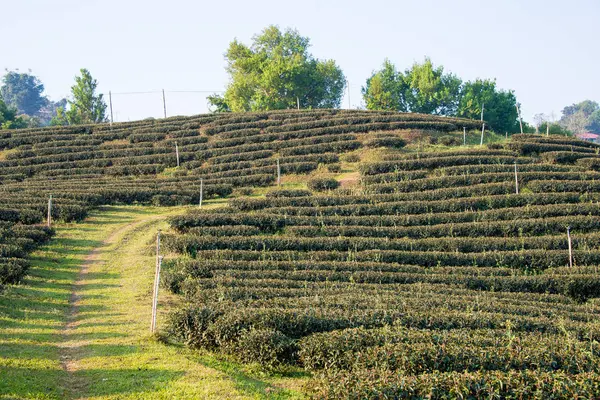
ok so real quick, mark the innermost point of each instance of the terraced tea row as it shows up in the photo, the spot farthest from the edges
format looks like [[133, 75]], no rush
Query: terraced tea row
[[436, 275], [167, 162]]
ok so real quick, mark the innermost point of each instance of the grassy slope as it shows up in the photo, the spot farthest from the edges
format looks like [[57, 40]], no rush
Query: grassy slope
[[101, 348]]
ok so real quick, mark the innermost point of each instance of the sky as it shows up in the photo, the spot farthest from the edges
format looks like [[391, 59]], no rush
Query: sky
[[544, 50]]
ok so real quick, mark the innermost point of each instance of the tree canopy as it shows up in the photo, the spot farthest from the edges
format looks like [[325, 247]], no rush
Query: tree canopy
[[425, 88], [499, 106], [23, 92], [9, 118], [86, 106], [422, 88], [581, 117], [278, 72]]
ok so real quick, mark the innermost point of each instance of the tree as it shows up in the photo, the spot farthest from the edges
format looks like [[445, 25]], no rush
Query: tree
[[218, 103], [9, 118], [86, 107], [594, 120], [500, 106], [277, 72], [554, 129], [429, 90], [383, 89], [422, 89], [581, 117], [23, 92]]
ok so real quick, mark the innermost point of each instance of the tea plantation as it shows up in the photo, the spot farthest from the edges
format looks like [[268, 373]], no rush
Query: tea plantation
[[436, 270]]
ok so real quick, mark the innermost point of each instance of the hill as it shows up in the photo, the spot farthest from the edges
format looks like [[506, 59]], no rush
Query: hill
[[434, 268], [83, 167], [436, 275]]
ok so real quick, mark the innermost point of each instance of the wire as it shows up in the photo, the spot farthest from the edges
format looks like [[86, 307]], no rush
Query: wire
[[167, 91]]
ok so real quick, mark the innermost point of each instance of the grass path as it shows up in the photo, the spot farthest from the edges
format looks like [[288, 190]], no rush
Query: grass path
[[79, 326]]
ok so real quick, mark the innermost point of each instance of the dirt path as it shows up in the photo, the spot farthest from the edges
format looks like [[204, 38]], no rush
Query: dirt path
[[72, 347], [349, 179]]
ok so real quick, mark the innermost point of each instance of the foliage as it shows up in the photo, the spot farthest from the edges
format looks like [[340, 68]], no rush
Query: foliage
[[9, 118], [500, 112], [554, 128], [427, 89], [422, 89], [383, 90], [86, 107], [23, 92], [385, 140], [322, 184], [581, 117], [278, 72]]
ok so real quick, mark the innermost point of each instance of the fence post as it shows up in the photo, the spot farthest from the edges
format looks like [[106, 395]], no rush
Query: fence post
[[111, 110], [570, 247], [520, 119], [482, 130], [156, 282], [49, 220], [278, 173], [201, 193], [516, 180]]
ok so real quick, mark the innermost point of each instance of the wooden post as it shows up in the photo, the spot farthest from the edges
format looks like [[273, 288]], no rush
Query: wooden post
[[516, 180], [156, 283], [520, 119], [201, 193], [570, 247], [164, 103], [155, 297], [49, 220], [177, 153], [482, 130], [278, 173], [349, 104], [464, 136], [111, 110]]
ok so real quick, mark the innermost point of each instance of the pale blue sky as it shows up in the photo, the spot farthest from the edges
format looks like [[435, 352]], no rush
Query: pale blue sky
[[547, 51]]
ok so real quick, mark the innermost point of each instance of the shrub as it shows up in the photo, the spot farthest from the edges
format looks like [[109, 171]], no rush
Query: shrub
[[288, 193], [244, 191], [337, 168], [383, 140], [351, 158], [171, 200], [322, 184], [269, 347], [448, 140]]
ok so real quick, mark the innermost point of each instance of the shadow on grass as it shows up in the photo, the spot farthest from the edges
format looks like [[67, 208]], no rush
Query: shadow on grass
[[245, 381], [29, 351], [118, 382]]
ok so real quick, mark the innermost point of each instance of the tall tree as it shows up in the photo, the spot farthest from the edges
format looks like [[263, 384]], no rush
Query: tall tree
[[23, 92], [383, 90], [86, 106], [9, 118], [500, 106], [423, 88], [581, 117], [278, 72]]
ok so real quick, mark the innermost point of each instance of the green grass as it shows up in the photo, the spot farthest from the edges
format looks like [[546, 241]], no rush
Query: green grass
[[108, 352]]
